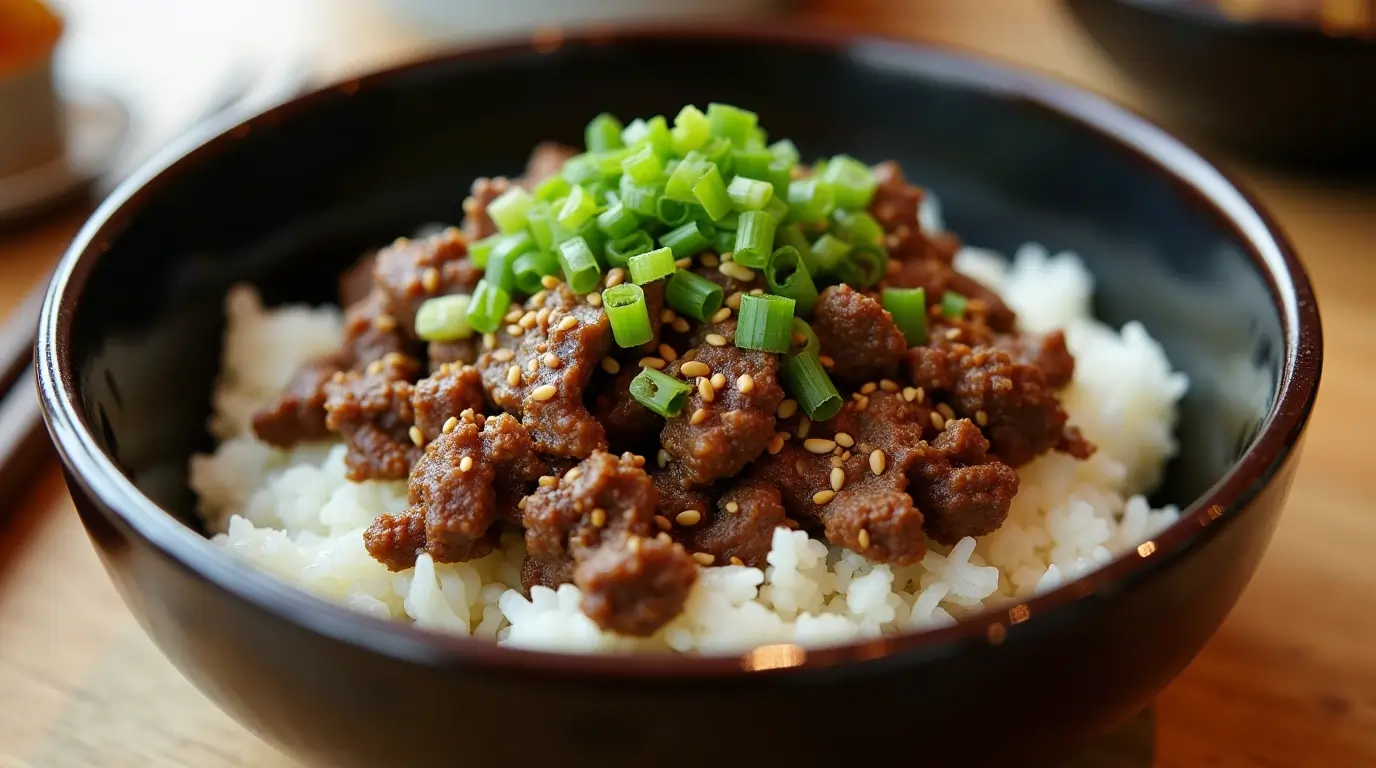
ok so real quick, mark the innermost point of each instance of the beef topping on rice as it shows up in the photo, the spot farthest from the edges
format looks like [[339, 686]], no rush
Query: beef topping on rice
[[856, 333], [961, 490], [410, 271], [477, 224], [739, 528], [299, 413], [444, 396], [372, 411]]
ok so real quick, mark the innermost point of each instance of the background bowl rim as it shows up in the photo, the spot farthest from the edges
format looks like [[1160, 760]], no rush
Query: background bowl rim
[[1269, 250]]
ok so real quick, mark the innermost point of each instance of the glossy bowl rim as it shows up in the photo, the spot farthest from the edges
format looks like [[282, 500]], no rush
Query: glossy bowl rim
[[1269, 249]]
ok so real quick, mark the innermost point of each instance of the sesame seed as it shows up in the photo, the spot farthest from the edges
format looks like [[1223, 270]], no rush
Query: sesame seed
[[542, 317], [489, 340], [515, 330], [513, 315], [838, 478], [844, 439], [385, 323], [716, 339], [544, 393], [888, 385], [503, 355], [826, 361], [416, 436], [804, 424], [732, 507], [652, 362], [757, 292], [611, 366], [862, 403], [549, 282], [552, 361], [937, 421], [680, 325], [728, 256], [528, 320], [688, 517], [532, 366], [721, 315], [667, 316], [466, 463], [662, 458], [684, 263], [663, 522], [869, 388], [736, 560], [737, 272], [595, 299], [786, 409], [921, 394], [836, 461], [699, 416], [863, 539], [946, 411], [337, 377], [746, 383], [374, 368], [704, 558], [877, 461], [599, 517], [450, 424], [548, 481], [513, 375], [952, 333], [664, 537], [705, 391], [819, 445], [538, 300], [667, 352], [910, 393], [981, 418], [616, 276], [718, 381], [776, 443], [568, 323], [709, 260], [695, 368], [430, 280], [822, 497], [734, 301], [633, 543]]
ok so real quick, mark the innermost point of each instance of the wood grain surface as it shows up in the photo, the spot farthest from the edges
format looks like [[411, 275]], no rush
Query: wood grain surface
[[1290, 679]]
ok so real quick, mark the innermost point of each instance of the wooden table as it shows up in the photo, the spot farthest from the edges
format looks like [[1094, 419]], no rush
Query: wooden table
[[1289, 680]]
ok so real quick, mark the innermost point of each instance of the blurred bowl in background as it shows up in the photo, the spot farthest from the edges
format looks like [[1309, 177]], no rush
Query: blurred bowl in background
[[1281, 82]]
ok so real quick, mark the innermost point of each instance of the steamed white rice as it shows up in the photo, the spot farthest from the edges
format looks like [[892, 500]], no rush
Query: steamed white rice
[[293, 514]]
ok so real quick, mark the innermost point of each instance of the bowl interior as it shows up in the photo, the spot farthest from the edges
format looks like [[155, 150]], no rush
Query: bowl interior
[[287, 201]]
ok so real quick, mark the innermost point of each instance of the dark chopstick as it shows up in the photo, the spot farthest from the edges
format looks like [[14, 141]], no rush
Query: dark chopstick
[[24, 445]]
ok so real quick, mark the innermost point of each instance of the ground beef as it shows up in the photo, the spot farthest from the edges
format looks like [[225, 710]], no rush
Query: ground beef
[[545, 160], [357, 281], [372, 411], [299, 413], [370, 334], [1046, 353], [1012, 401], [960, 489], [477, 224], [598, 516], [541, 364], [740, 528], [446, 394], [717, 438], [462, 351], [410, 271], [858, 334], [630, 426], [455, 494], [895, 206], [677, 495]]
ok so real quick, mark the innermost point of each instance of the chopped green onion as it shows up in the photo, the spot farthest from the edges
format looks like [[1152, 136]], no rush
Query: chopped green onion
[[909, 309], [620, 250], [480, 251], [870, 264], [644, 166], [685, 175], [617, 221], [594, 237], [749, 194], [529, 267], [691, 130], [830, 252], [579, 265], [693, 295], [640, 200], [811, 344], [672, 212], [444, 318], [752, 163], [690, 239], [810, 199], [784, 151], [581, 169], [809, 383], [777, 210], [719, 152], [765, 323], [712, 195], [724, 241], [603, 133], [857, 226], [754, 239], [660, 392], [508, 210], [780, 175], [540, 222], [731, 221], [603, 192], [792, 235], [732, 123], [653, 132], [652, 266], [851, 180], [629, 315], [953, 305], [787, 276], [578, 208], [503, 258], [487, 307], [552, 189]]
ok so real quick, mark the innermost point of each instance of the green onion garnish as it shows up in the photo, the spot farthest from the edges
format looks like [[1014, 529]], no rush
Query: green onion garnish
[[693, 295], [783, 150], [603, 133], [660, 392], [685, 175], [870, 264], [530, 267], [640, 200], [652, 266], [540, 222], [808, 381], [752, 163], [444, 318], [909, 309], [732, 123], [811, 343], [792, 235], [617, 221], [749, 194], [712, 195], [508, 210], [719, 152], [487, 307], [627, 312], [503, 258], [553, 188], [653, 132], [691, 130], [620, 250], [765, 323], [754, 239], [644, 166], [857, 226], [777, 209], [724, 241], [581, 169], [810, 199], [953, 305], [830, 253], [787, 275], [578, 207], [480, 250], [851, 181], [689, 239], [672, 212], [579, 265]]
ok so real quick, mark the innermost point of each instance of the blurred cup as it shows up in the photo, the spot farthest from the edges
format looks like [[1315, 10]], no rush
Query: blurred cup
[[462, 20], [30, 112]]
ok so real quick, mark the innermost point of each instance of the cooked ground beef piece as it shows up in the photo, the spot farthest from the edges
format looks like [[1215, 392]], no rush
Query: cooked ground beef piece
[[370, 334], [410, 271], [960, 489], [1012, 401], [462, 351], [718, 437], [630, 426], [372, 412], [299, 413], [858, 334], [477, 224], [871, 513], [1046, 353], [599, 516], [446, 394], [740, 528], [455, 493], [542, 362], [545, 161], [357, 282], [677, 495]]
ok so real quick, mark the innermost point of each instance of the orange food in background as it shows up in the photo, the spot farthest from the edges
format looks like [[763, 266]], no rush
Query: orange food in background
[[28, 32]]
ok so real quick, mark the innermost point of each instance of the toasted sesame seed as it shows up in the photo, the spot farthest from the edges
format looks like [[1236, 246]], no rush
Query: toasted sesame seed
[[680, 325], [489, 340], [732, 507], [776, 443], [568, 323], [921, 394], [337, 377], [667, 352], [746, 383], [466, 463], [417, 436], [374, 368], [664, 537], [838, 479], [952, 333], [543, 393], [549, 282], [804, 424], [450, 424], [822, 497], [515, 330], [910, 393], [888, 385], [869, 388], [737, 272], [863, 539], [667, 315], [946, 411], [862, 403], [716, 339], [595, 299], [615, 276], [786, 409], [552, 361], [844, 439], [699, 416], [385, 323], [728, 256], [718, 380], [513, 315], [819, 445], [836, 461], [688, 517], [542, 317], [611, 366], [684, 263], [709, 260], [736, 560], [937, 421], [662, 458], [826, 361], [528, 320], [734, 300], [538, 300], [878, 461], [981, 418], [548, 481], [653, 362], [703, 558], [598, 517], [705, 391], [430, 280], [695, 368], [663, 522], [513, 375], [503, 355], [532, 365], [633, 543], [721, 315]]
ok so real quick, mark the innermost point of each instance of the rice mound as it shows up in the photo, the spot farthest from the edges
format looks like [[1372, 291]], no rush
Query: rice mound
[[293, 514]]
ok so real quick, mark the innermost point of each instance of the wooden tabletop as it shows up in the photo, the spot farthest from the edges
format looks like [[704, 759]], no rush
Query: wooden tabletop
[[1289, 680]]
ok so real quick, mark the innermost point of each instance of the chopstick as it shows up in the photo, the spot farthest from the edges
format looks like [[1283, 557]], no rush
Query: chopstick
[[24, 445]]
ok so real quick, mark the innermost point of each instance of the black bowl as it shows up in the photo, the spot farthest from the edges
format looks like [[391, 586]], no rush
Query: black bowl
[[1288, 91], [131, 332]]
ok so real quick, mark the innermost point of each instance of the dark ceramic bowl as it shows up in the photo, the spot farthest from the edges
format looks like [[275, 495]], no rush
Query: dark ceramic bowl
[[131, 333], [1283, 90]]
